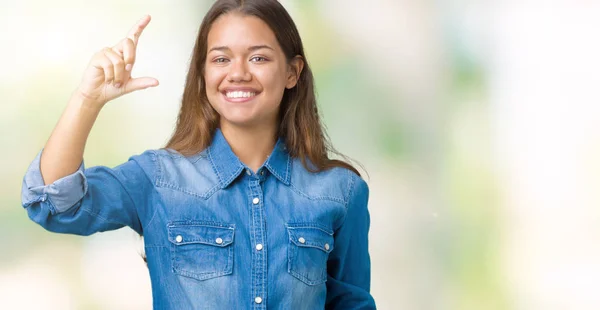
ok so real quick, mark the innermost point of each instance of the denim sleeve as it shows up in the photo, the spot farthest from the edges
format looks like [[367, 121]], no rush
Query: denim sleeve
[[90, 200], [349, 265]]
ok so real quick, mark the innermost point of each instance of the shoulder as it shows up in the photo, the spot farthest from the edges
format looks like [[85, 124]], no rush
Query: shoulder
[[336, 184], [162, 156], [159, 161]]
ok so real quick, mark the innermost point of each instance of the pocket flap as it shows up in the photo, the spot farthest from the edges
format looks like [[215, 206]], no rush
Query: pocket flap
[[210, 234], [311, 237]]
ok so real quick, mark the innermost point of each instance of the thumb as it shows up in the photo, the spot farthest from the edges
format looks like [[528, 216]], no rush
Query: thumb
[[140, 83]]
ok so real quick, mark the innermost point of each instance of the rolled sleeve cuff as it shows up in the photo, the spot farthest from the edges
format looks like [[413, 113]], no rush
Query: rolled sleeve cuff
[[60, 195]]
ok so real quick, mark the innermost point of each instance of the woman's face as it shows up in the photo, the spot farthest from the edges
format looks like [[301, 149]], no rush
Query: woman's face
[[246, 71]]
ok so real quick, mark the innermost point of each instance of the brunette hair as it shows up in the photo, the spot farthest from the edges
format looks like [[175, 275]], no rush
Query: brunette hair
[[299, 123]]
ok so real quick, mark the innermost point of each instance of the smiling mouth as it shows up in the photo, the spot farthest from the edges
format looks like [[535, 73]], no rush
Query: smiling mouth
[[239, 94]]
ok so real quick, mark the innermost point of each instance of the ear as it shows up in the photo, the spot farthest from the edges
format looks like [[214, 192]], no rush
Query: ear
[[294, 69]]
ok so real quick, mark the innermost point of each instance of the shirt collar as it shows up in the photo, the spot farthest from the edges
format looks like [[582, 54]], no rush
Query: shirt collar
[[228, 167], [279, 162]]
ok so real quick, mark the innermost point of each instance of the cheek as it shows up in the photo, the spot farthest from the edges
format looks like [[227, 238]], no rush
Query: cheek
[[213, 78], [272, 80]]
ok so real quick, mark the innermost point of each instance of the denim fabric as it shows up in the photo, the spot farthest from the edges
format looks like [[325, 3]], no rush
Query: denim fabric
[[219, 236]]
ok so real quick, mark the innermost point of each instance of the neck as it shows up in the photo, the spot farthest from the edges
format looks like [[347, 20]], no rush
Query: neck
[[251, 145]]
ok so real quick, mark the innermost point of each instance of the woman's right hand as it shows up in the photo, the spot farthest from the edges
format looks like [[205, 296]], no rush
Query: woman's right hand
[[108, 75]]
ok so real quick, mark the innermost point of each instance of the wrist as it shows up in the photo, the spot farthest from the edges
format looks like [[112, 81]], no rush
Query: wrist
[[86, 102]]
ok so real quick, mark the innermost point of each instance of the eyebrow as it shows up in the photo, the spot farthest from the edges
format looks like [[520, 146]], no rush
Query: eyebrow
[[250, 49]]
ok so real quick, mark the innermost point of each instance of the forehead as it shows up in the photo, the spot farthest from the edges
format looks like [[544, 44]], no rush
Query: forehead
[[236, 30]]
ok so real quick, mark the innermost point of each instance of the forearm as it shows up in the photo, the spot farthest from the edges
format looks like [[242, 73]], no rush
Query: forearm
[[63, 152]]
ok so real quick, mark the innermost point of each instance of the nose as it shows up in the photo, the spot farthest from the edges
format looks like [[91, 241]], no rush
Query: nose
[[238, 72]]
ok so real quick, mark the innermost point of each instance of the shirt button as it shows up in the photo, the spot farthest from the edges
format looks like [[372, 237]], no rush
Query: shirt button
[[258, 300], [219, 240], [326, 246], [255, 201], [259, 247], [301, 240], [179, 238], [248, 172], [262, 172]]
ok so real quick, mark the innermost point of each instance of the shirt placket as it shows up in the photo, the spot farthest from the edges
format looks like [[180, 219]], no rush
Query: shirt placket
[[259, 248]]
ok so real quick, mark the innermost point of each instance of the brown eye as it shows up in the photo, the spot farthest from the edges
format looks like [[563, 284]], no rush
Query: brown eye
[[258, 59]]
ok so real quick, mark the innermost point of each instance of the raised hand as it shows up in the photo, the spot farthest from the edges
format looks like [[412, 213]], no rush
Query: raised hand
[[108, 75]]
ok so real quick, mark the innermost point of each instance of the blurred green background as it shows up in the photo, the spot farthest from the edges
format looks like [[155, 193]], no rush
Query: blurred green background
[[477, 123]]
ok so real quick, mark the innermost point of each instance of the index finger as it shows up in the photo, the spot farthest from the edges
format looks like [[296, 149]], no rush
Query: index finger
[[135, 32]]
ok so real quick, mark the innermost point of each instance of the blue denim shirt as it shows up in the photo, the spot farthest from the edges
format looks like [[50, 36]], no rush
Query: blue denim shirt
[[219, 236]]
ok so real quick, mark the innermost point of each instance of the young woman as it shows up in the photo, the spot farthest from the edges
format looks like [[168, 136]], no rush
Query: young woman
[[243, 207]]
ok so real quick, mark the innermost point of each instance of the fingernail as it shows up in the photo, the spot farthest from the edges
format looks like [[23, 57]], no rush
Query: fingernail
[[118, 85], [128, 67]]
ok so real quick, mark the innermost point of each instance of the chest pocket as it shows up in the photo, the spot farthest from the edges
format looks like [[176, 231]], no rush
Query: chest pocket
[[201, 250], [308, 251]]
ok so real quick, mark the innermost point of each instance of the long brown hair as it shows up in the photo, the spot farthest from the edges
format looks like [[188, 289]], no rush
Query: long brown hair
[[299, 123]]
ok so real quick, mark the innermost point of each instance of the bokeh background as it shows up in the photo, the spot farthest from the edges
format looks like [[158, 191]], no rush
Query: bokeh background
[[477, 121]]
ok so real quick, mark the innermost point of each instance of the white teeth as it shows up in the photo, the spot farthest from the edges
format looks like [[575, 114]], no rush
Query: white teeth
[[240, 94]]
